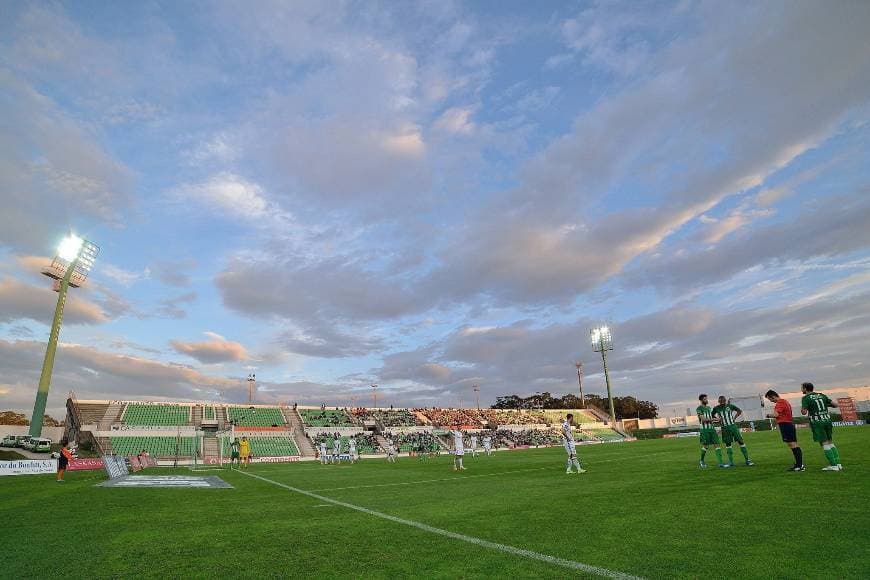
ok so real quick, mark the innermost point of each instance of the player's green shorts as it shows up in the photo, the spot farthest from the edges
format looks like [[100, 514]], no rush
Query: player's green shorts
[[234, 456], [731, 433], [822, 431], [709, 437]]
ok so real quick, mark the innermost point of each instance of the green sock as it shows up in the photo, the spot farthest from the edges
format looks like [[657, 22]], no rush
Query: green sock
[[719, 455], [745, 452], [836, 454], [703, 453], [829, 453], [730, 454]]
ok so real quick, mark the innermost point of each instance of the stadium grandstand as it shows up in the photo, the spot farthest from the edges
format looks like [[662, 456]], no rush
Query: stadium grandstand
[[194, 432]]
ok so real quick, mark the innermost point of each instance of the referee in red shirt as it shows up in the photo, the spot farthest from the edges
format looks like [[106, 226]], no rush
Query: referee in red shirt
[[785, 421]]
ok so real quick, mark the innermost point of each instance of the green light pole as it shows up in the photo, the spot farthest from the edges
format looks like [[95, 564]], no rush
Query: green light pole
[[602, 341], [70, 267]]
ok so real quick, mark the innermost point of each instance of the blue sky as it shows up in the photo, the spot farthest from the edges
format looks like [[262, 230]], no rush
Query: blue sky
[[431, 195]]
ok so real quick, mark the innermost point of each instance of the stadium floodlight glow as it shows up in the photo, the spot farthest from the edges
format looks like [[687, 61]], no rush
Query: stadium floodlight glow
[[602, 341], [70, 267], [69, 248], [601, 338]]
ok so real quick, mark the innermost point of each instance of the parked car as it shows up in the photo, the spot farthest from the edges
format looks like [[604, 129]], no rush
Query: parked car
[[20, 440], [8, 441], [40, 444], [28, 444]]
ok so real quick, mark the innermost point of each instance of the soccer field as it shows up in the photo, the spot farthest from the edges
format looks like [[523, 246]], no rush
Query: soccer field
[[644, 509]]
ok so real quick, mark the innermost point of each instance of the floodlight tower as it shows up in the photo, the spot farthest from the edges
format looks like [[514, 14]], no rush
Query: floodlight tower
[[70, 267], [375, 396], [579, 366], [602, 341], [476, 389], [252, 386]]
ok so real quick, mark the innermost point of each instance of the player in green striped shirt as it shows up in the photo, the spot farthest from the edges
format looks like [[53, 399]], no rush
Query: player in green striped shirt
[[728, 414], [708, 431], [816, 405]]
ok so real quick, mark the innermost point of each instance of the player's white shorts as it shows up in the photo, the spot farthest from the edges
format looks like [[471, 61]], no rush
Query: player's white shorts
[[570, 448]]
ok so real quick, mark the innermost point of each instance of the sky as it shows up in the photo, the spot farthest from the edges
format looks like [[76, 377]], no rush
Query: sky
[[429, 196]]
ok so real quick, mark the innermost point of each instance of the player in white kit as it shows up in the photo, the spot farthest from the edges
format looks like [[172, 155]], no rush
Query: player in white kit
[[351, 450], [391, 451], [570, 446], [474, 445], [324, 457], [458, 449], [336, 450], [487, 445]]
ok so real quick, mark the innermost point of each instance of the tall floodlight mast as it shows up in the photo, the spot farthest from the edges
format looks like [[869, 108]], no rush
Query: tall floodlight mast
[[579, 366], [70, 267], [252, 387], [602, 341]]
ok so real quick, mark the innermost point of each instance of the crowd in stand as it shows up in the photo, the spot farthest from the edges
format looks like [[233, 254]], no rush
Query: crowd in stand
[[420, 442], [326, 418], [530, 437], [452, 417], [391, 418], [514, 417]]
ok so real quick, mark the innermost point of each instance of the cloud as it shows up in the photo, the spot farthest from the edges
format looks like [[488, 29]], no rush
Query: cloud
[[175, 273], [455, 120], [172, 307], [228, 194], [96, 374], [835, 227], [541, 243], [19, 300], [214, 351], [123, 277], [51, 167]]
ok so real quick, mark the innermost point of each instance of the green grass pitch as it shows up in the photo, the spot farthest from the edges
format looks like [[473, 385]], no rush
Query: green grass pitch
[[643, 509]]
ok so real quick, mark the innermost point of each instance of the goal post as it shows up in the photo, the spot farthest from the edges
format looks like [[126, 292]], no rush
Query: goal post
[[209, 451]]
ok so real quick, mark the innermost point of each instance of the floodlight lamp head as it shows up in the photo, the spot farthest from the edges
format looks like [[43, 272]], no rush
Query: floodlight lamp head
[[70, 247], [601, 338]]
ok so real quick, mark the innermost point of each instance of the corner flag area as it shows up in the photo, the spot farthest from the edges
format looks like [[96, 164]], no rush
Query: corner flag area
[[642, 510]]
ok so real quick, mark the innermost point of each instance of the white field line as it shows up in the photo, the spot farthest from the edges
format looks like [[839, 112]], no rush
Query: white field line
[[587, 568]]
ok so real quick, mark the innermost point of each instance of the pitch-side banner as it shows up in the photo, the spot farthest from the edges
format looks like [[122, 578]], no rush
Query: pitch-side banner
[[82, 464], [28, 466]]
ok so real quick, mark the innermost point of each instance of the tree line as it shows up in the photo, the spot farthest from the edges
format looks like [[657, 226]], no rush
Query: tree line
[[624, 407], [13, 418]]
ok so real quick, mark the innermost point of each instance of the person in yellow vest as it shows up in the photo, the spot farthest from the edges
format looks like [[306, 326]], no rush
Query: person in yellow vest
[[245, 451]]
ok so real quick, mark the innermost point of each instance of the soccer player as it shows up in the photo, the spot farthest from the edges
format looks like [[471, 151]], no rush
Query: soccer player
[[245, 450], [728, 415], [708, 431], [785, 421], [391, 451], [474, 445], [63, 460], [336, 450], [351, 449], [487, 445], [458, 449], [816, 405], [324, 456], [570, 445], [234, 453]]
